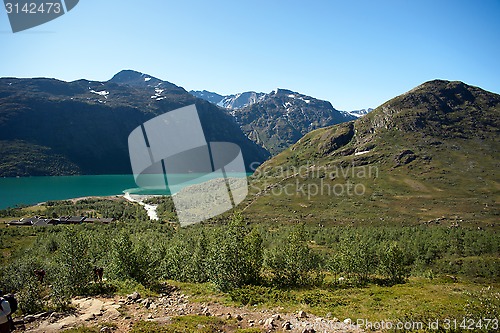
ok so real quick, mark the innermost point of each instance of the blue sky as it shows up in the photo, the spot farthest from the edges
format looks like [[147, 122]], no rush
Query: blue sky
[[355, 54]]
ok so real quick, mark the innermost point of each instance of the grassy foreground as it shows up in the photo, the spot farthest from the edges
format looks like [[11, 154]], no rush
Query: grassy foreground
[[368, 274]]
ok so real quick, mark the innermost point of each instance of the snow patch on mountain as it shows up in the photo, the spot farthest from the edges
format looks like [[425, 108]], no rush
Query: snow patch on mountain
[[103, 93]]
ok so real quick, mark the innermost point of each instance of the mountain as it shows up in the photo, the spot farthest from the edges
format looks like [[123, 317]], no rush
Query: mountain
[[360, 113], [241, 100], [208, 96], [52, 127], [236, 101], [280, 118], [429, 156]]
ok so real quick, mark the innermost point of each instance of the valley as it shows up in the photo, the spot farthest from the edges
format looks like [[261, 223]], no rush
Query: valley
[[389, 217]]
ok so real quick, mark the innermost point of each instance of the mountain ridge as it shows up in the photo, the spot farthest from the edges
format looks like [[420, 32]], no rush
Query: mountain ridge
[[85, 124], [283, 116]]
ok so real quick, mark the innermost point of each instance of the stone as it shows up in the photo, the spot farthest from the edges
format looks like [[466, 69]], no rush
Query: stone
[[286, 325], [106, 329], [239, 317], [276, 316], [146, 302], [87, 317], [29, 319], [134, 296], [348, 321], [302, 314], [228, 316], [309, 330], [335, 319], [269, 323], [42, 315]]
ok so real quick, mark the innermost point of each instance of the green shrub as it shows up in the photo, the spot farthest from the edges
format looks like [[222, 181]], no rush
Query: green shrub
[[235, 255], [393, 263], [293, 263], [73, 269], [251, 295]]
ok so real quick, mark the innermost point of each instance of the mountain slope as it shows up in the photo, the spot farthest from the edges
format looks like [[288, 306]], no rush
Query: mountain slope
[[282, 117], [82, 127], [430, 155]]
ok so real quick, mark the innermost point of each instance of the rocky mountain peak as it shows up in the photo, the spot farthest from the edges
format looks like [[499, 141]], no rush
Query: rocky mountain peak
[[137, 79]]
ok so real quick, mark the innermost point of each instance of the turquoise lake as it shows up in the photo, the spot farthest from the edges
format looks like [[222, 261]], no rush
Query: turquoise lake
[[33, 190]]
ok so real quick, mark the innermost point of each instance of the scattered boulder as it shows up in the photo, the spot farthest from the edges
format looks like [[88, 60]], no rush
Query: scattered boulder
[[106, 329], [135, 296], [404, 157], [29, 319], [239, 317], [42, 315], [146, 303], [302, 314], [348, 321], [287, 325], [269, 323], [309, 330], [276, 316]]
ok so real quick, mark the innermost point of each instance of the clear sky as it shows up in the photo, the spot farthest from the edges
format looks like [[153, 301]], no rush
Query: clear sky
[[355, 54]]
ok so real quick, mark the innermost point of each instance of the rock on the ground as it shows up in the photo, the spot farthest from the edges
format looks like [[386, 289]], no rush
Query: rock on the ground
[[134, 296], [29, 318], [269, 323], [302, 314], [286, 325], [348, 321]]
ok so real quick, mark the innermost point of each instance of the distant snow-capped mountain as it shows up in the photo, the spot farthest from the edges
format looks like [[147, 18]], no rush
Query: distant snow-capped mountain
[[209, 96], [280, 118], [360, 113], [233, 102]]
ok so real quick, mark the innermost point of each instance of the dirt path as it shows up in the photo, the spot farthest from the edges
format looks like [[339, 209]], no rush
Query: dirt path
[[118, 314]]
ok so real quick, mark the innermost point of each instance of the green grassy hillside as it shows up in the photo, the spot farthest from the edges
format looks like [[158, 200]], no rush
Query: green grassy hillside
[[430, 155]]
